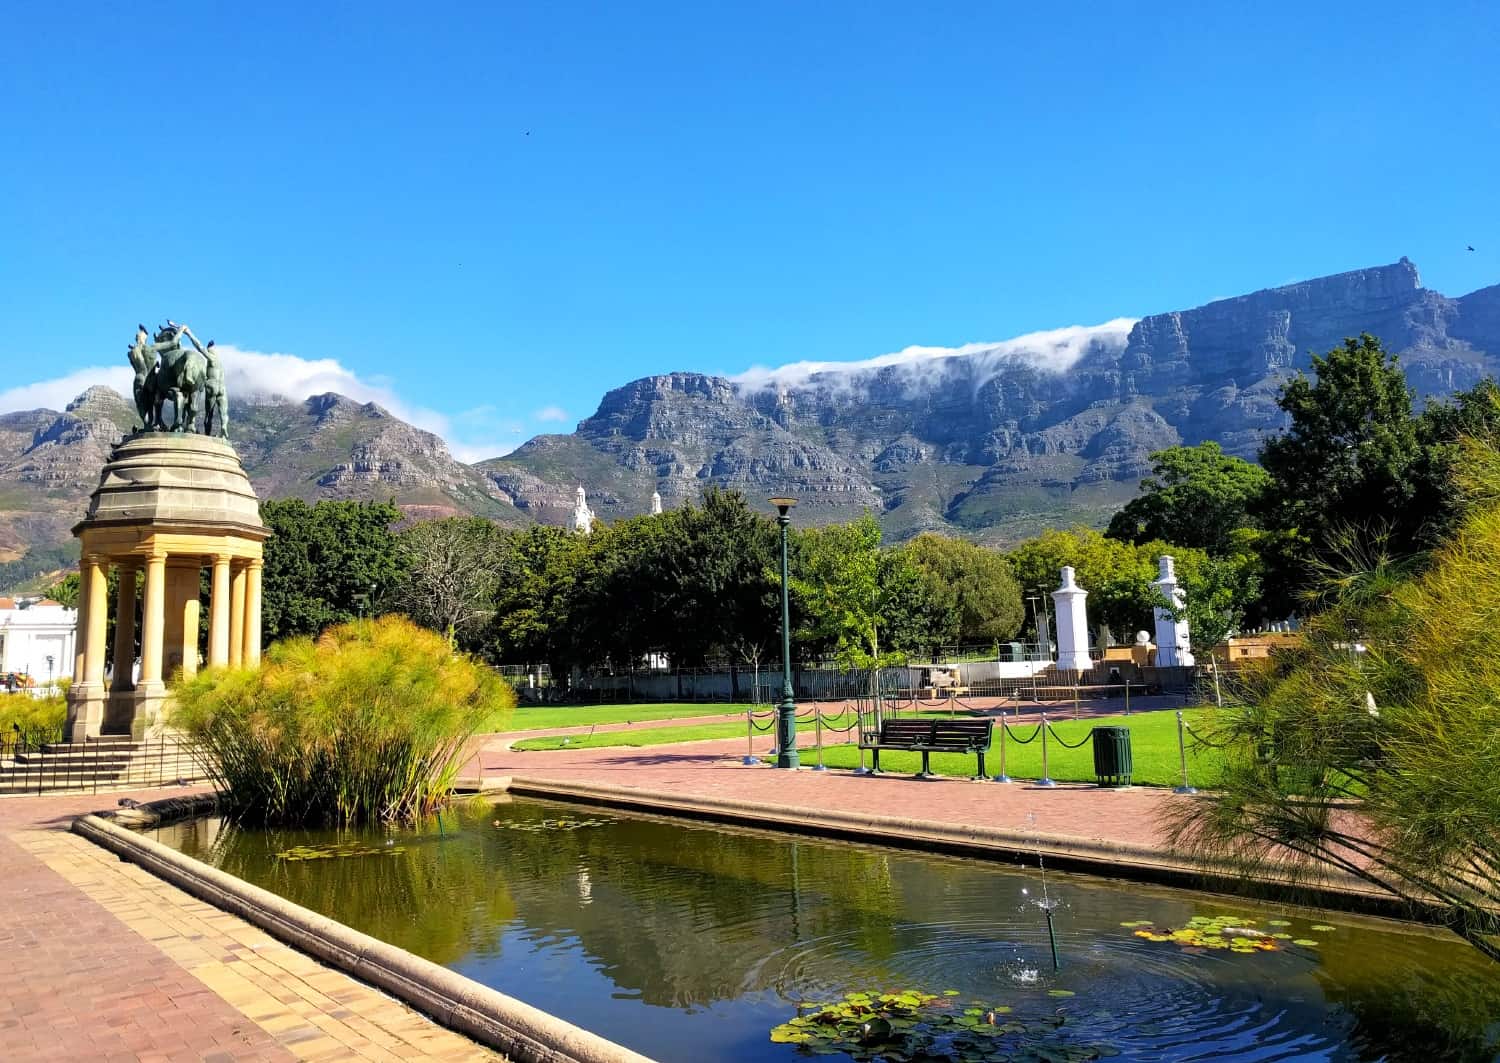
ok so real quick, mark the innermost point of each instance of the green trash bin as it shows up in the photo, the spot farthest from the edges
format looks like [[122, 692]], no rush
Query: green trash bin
[[1112, 760]]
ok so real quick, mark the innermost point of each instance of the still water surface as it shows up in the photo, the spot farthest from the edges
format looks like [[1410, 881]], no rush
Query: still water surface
[[690, 942]]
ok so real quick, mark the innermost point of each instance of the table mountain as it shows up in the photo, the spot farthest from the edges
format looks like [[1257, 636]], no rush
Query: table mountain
[[995, 442], [999, 441]]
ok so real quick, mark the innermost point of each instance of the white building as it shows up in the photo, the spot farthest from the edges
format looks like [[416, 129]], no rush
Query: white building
[[37, 639], [582, 518]]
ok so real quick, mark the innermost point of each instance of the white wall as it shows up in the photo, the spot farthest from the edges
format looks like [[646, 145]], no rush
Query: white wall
[[29, 636]]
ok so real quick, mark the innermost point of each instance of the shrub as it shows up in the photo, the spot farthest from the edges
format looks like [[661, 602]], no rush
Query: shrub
[[370, 721], [33, 720]]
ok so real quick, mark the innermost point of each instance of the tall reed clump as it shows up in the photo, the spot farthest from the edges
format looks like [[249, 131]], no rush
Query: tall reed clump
[[1374, 748], [368, 722], [33, 719]]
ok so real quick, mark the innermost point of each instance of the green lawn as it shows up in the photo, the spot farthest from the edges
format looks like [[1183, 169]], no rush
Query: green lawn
[[1153, 747], [537, 717], [1153, 742], [660, 736]]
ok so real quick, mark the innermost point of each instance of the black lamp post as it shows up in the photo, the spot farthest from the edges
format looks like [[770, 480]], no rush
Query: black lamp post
[[786, 712]]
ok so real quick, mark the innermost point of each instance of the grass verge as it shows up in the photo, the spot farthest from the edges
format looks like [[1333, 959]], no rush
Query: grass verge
[[1153, 746], [1153, 742], [537, 718]]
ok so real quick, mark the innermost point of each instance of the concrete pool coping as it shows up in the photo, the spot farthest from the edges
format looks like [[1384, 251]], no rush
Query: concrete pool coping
[[1107, 859], [517, 1029]]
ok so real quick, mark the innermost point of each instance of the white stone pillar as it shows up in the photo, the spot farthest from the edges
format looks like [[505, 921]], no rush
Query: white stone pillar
[[1173, 647], [1072, 625]]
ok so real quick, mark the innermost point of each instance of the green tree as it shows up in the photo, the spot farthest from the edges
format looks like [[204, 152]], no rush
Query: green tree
[[65, 591], [986, 599], [1117, 575], [326, 563], [839, 588], [1349, 459], [1441, 428], [451, 574], [533, 619], [1195, 496], [1120, 579]]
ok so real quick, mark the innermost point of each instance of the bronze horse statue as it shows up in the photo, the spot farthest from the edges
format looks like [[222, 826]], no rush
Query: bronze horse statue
[[169, 370], [182, 375]]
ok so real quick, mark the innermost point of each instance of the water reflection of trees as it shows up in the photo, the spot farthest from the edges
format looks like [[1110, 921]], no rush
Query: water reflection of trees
[[1407, 1007], [685, 916], [440, 898]]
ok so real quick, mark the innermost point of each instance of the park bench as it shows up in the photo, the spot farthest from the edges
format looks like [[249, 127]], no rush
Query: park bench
[[931, 736]]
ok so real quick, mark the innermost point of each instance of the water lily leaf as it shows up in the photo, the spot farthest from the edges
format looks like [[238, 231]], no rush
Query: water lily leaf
[[1278, 922], [1322, 928], [1306, 943], [1060, 993]]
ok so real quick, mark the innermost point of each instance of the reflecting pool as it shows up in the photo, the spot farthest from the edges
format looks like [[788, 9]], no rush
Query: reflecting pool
[[691, 942]]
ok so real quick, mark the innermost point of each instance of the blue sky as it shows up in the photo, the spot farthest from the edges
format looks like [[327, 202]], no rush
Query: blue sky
[[491, 214]]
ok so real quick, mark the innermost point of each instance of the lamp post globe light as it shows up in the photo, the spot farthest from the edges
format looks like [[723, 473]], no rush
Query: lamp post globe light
[[786, 712]]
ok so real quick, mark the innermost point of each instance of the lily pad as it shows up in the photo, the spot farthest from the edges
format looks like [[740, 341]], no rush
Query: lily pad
[[1306, 943], [1323, 928]]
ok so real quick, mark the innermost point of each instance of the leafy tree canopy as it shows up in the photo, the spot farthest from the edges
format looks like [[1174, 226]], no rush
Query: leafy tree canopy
[[326, 563], [1349, 460], [1195, 496], [985, 597]]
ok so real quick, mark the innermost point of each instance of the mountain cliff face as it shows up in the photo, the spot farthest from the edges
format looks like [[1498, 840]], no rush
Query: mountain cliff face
[[994, 443], [999, 443]]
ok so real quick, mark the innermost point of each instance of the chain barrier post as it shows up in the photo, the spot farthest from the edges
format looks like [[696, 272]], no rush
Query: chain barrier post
[[1002, 777], [1127, 697], [749, 758], [1182, 753], [859, 737], [818, 729], [1046, 779]]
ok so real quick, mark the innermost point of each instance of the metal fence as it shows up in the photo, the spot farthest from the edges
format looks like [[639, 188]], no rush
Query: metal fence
[[1038, 682], [29, 766]]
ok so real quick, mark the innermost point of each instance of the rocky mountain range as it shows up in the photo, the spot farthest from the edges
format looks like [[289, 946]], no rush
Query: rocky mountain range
[[993, 442]]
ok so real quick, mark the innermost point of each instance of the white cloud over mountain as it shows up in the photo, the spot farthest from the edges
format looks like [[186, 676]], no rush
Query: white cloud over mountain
[[1055, 350], [252, 374]]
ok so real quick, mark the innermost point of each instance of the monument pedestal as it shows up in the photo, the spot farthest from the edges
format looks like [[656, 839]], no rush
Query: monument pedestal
[[87, 712], [167, 506]]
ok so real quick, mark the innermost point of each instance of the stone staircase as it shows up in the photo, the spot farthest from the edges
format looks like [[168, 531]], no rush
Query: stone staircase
[[107, 762]]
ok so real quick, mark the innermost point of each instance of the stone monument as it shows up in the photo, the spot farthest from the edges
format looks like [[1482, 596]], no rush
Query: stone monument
[[1173, 646], [171, 502], [1072, 625], [656, 503], [581, 520]]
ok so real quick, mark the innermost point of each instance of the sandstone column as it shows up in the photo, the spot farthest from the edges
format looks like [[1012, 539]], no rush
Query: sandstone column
[[237, 616], [81, 638], [218, 620], [93, 649], [252, 613], [124, 632], [153, 620], [191, 582]]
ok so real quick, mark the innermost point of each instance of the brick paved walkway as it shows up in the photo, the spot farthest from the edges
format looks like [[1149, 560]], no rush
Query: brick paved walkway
[[103, 961], [713, 769]]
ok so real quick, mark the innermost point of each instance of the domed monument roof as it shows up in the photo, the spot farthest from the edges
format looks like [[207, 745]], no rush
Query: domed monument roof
[[186, 479]]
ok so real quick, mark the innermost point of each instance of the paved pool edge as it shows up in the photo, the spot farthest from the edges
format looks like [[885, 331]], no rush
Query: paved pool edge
[[1116, 860], [524, 1033]]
